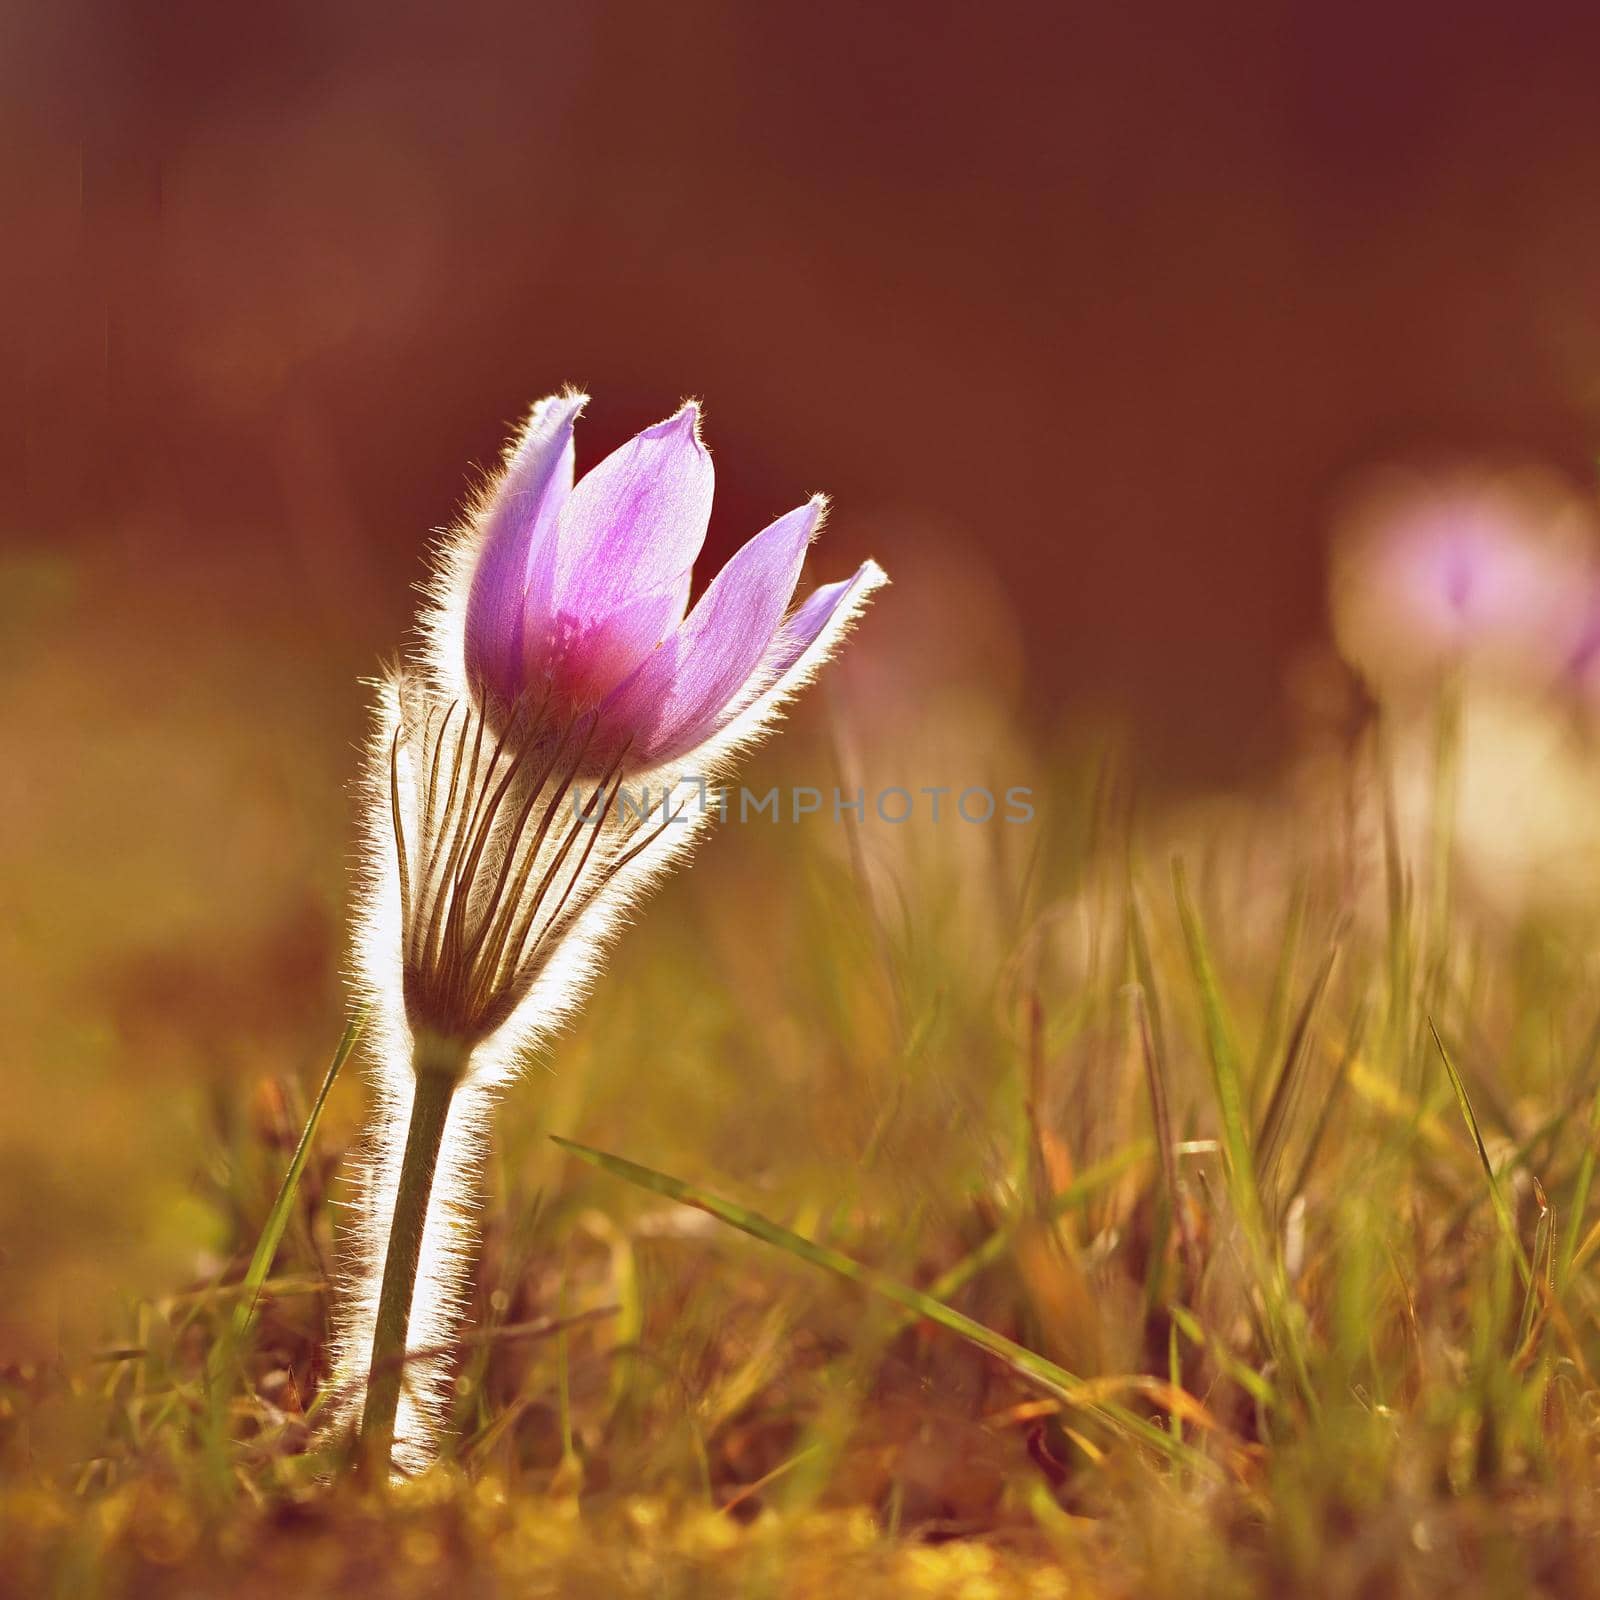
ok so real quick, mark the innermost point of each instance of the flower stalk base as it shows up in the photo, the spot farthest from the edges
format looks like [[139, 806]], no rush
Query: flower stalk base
[[438, 1066]]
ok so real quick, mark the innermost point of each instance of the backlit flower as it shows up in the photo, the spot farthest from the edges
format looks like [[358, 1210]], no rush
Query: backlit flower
[[576, 593], [545, 760]]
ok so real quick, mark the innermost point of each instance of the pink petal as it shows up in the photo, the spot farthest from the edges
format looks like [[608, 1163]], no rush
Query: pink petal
[[625, 545], [518, 523], [591, 655], [680, 693]]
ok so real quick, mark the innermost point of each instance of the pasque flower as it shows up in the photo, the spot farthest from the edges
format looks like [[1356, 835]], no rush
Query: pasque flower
[[579, 591], [559, 661]]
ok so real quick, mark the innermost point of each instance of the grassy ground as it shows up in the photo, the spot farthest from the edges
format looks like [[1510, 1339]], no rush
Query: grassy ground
[[1148, 1199]]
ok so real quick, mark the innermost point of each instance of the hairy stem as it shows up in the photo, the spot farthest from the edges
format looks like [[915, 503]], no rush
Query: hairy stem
[[438, 1065]]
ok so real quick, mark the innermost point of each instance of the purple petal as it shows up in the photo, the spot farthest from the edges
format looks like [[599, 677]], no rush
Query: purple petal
[[626, 542], [680, 693], [803, 629], [517, 523]]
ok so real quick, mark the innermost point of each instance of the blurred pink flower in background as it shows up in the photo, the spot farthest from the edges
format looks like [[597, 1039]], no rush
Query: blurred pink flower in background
[[1472, 570], [1583, 663], [1492, 580]]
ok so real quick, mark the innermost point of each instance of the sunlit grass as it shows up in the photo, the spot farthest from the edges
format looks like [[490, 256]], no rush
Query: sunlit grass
[[983, 1211]]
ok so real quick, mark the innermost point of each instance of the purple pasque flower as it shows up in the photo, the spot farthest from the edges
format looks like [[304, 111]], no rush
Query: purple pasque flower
[[501, 854], [578, 592]]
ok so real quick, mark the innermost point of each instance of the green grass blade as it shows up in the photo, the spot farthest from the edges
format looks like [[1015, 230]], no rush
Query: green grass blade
[[1281, 994], [1144, 971], [1044, 1374], [1544, 1263], [278, 1217], [1578, 1205], [1330, 1099], [1166, 1146], [1497, 1199], [1289, 1086], [1286, 1324], [1226, 1077]]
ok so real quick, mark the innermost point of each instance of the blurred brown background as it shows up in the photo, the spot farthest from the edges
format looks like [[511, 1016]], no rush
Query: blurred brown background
[[1081, 313], [1113, 295]]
